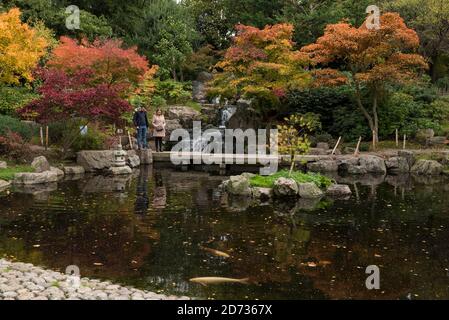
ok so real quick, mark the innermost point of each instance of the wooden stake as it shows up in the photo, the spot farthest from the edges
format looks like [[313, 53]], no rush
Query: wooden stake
[[356, 153], [41, 131], [130, 141], [397, 138], [336, 146], [46, 137], [374, 140], [405, 142]]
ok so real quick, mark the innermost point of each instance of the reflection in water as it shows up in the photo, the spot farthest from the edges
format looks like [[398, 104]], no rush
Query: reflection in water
[[142, 202], [148, 231], [160, 193]]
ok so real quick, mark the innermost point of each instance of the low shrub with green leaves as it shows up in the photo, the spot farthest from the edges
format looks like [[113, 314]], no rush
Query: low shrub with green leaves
[[300, 177], [10, 124], [173, 92], [13, 98]]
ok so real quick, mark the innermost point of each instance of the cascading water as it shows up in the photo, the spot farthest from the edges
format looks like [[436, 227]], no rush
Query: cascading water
[[226, 114]]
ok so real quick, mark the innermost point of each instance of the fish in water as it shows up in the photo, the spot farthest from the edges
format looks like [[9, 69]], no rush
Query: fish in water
[[216, 252], [218, 280]]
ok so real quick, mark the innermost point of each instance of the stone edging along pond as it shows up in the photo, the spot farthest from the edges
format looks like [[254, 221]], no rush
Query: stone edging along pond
[[24, 281]]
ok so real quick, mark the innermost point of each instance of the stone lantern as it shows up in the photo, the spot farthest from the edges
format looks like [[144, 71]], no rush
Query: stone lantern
[[119, 156]]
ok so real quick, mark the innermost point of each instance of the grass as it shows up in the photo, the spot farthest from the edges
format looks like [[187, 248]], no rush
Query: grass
[[194, 105], [299, 177], [8, 173]]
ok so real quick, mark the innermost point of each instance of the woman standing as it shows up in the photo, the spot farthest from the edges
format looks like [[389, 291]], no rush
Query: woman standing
[[159, 129]]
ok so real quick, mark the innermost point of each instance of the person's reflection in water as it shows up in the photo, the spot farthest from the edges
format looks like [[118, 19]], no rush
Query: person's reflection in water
[[142, 200], [160, 193]]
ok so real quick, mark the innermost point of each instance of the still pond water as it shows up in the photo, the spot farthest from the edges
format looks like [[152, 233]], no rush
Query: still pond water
[[150, 231]]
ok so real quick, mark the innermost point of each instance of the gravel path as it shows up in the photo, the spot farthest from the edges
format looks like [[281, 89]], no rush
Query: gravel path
[[24, 281]]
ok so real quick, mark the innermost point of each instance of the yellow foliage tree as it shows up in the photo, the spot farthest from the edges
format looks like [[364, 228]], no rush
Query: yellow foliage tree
[[21, 47]]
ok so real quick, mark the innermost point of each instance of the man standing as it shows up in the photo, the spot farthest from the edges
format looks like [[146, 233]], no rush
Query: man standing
[[140, 120]]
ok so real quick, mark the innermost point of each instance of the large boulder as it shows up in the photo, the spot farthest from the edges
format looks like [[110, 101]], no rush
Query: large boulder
[[3, 165], [309, 190], [74, 170], [170, 126], [409, 156], [262, 194], [40, 164], [58, 172], [322, 145], [120, 170], [285, 187], [397, 165], [185, 115], [339, 191], [423, 135], [4, 184], [239, 186], [373, 164], [323, 166], [35, 177], [133, 160], [95, 160], [427, 167]]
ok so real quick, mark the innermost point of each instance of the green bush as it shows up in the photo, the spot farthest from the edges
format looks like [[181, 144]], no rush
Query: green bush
[[93, 140], [13, 98], [174, 92], [298, 176], [8, 123]]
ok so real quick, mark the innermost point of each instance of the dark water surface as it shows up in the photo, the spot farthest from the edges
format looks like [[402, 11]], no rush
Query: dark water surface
[[148, 231]]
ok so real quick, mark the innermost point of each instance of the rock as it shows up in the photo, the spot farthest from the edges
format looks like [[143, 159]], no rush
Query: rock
[[185, 115], [356, 169], [239, 186], [437, 141], [27, 178], [40, 164], [322, 145], [95, 160], [74, 170], [204, 76], [309, 190], [133, 161], [397, 165], [338, 190], [285, 187], [409, 156], [3, 165], [323, 166], [427, 167], [58, 172], [145, 156], [373, 164], [120, 170], [423, 135], [171, 125], [263, 194], [4, 184]]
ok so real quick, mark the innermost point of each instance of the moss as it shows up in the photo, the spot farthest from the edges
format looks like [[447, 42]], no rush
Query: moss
[[298, 176], [8, 173]]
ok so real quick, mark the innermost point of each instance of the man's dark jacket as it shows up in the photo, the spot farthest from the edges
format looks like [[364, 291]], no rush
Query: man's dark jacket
[[140, 119]]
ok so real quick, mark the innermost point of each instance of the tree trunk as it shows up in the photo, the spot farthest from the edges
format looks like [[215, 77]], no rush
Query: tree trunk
[[371, 122], [376, 119]]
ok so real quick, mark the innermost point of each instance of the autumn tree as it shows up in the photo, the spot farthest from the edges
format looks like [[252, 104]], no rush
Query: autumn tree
[[367, 59], [261, 65], [21, 48], [111, 64]]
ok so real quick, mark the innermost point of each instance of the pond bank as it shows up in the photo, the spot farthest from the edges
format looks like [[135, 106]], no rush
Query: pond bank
[[24, 281]]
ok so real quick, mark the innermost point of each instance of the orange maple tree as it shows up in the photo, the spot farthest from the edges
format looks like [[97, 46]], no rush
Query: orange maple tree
[[262, 65], [367, 59]]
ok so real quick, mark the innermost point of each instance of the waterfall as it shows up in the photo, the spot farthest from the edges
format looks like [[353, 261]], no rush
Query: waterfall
[[226, 114]]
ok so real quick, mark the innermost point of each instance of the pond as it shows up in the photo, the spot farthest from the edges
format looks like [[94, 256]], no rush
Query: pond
[[151, 230]]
